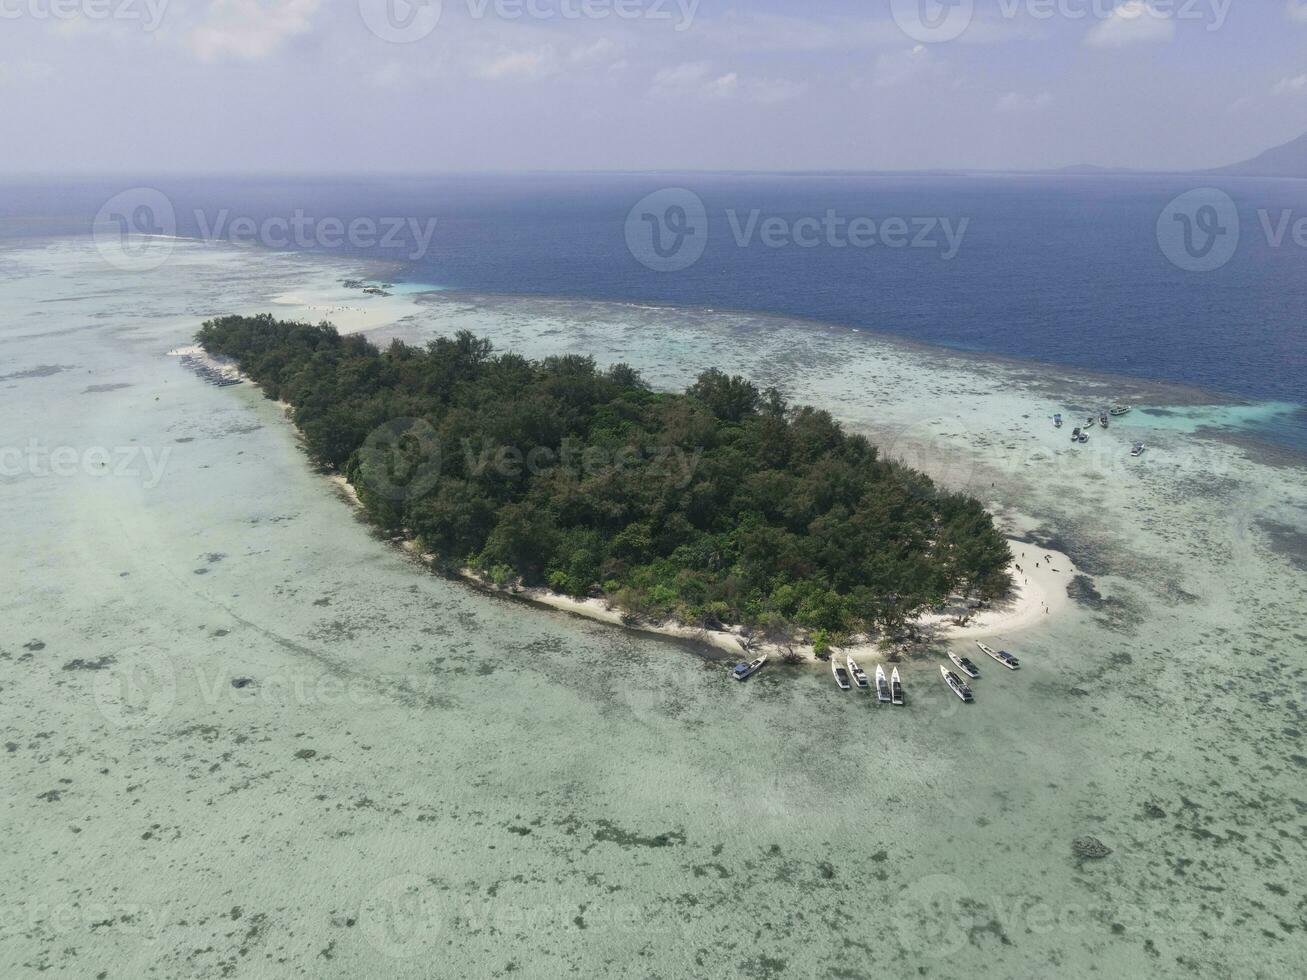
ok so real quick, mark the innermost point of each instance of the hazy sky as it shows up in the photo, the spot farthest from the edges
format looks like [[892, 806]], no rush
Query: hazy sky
[[307, 85]]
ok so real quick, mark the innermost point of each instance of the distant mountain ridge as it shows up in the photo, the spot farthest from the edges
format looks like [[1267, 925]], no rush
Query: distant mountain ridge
[[1289, 160]]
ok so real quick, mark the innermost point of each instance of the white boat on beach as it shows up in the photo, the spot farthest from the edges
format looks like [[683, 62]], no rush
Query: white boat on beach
[[965, 665], [957, 685], [896, 689], [743, 672], [841, 674], [1002, 656], [858, 674], [882, 685]]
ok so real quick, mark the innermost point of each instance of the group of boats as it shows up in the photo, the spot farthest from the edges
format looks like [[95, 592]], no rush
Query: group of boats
[[889, 690], [1080, 434], [218, 377], [960, 687], [849, 675]]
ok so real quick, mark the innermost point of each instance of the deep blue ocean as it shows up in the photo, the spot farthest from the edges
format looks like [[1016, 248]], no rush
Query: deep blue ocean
[[1062, 269]]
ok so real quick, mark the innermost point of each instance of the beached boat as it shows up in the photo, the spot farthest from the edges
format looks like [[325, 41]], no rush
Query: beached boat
[[858, 674], [744, 671], [896, 689], [882, 685], [841, 674], [957, 685], [965, 665], [1138, 450], [1002, 656], [1119, 410]]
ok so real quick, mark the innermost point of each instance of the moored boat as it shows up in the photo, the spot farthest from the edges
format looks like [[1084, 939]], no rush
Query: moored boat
[[882, 685], [1138, 450], [964, 664], [1075, 434], [1119, 410], [896, 689], [1102, 420], [957, 685], [1057, 421], [1002, 656], [841, 674], [858, 674], [743, 672]]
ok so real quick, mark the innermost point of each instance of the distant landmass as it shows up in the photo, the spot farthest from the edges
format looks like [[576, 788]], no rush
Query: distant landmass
[[1289, 160]]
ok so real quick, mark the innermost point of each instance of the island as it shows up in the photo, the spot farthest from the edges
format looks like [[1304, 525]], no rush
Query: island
[[720, 507]]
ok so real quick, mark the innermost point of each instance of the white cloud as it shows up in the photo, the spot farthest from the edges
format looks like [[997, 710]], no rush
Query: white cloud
[[698, 79], [680, 79], [536, 63], [250, 29], [1132, 22], [1296, 10], [899, 67], [1019, 102], [1296, 85]]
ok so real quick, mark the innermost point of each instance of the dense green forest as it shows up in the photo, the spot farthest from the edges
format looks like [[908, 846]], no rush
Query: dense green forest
[[720, 505]]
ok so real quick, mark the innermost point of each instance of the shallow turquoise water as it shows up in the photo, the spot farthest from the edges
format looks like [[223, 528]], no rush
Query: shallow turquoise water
[[421, 780]]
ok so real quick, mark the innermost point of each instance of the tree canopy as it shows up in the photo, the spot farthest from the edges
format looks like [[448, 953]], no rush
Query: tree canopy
[[720, 505]]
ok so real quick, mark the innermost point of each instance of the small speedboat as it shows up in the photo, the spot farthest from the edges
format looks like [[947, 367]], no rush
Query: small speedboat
[[1138, 450], [1002, 656], [1084, 438], [882, 686], [1057, 421], [957, 684], [896, 689], [841, 674], [965, 665], [1075, 434], [1102, 420], [744, 671], [1090, 421], [858, 674]]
